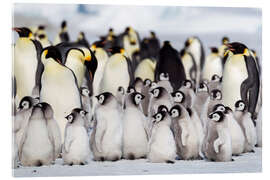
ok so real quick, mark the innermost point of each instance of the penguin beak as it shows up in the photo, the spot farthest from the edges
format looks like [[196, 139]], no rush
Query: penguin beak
[[16, 29], [87, 58]]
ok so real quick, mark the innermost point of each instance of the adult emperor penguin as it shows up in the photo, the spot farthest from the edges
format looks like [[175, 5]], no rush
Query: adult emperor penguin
[[162, 147], [244, 120], [106, 138], [76, 150], [217, 144], [82, 40], [58, 86], [131, 41], [169, 62], [213, 65], [42, 37], [27, 63], [36, 135], [221, 50], [118, 72], [189, 65], [62, 36], [146, 69], [135, 129], [52, 127], [186, 136], [246, 84], [194, 46]]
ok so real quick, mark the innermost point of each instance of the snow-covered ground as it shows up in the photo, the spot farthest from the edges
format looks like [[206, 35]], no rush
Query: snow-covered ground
[[246, 163]]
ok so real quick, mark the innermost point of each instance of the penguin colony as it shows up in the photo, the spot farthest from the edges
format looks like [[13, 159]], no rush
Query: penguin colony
[[126, 97]]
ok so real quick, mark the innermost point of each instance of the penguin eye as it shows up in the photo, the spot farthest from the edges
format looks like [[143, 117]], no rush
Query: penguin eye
[[83, 113], [175, 113], [158, 117], [215, 117], [25, 104], [70, 118]]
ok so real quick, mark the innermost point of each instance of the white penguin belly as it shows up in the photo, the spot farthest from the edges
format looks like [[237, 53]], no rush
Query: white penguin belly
[[78, 68], [145, 70], [212, 66], [187, 62]]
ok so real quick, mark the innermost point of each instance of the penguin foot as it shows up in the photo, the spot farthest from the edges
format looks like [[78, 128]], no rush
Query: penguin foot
[[39, 163], [131, 157], [82, 163], [200, 158], [252, 151], [232, 159], [170, 162], [102, 159], [115, 158]]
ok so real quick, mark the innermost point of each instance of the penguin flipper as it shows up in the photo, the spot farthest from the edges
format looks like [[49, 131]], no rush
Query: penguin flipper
[[217, 144], [21, 143], [130, 70], [193, 69], [184, 136], [100, 131], [68, 140]]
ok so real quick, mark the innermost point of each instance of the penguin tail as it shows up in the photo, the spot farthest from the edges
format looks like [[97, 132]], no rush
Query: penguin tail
[[170, 162]]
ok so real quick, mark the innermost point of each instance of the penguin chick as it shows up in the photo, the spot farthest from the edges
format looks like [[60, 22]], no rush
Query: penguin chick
[[162, 147], [53, 128], [87, 105], [217, 144], [164, 82], [36, 146], [135, 130], [106, 138], [75, 150], [187, 89], [185, 133], [215, 83], [214, 99], [243, 117]]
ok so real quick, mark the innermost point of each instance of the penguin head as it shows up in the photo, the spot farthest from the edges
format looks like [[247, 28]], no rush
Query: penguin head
[[153, 34], [216, 94], [216, 116], [24, 32], [153, 84], [214, 50], [70, 118], [228, 110], [163, 108], [216, 78], [219, 107], [85, 91], [147, 82], [81, 36], [178, 96], [64, 25], [42, 36], [187, 84], [26, 103], [237, 48], [80, 112], [203, 87], [225, 40], [190, 41], [167, 44], [159, 116], [157, 92], [164, 76], [76, 113], [51, 52], [116, 49], [240, 106], [121, 90], [137, 98], [130, 90], [104, 98], [175, 111], [47, 110]]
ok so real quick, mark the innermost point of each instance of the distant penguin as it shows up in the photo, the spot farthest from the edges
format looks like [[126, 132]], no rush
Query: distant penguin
[[169, 62], [106, 138], [27, 63], [58, 85], [194, 46], [36, 135], [76, 150], [42, 37], [53, 128], [145, 92], [164, 81], [135, 129], [82, 39], [162, 147], [190, 96], [215, 83], [240, 79], [223, 47], [213, 65], [146, 69], [62, 36], [153, 45], [244, 120], [86, 105], [217, 144], [131, 41], [118, 72], [185, 134], [189, 65]]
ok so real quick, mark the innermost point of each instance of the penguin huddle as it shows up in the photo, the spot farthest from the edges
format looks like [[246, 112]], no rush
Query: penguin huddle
[[121, 97]]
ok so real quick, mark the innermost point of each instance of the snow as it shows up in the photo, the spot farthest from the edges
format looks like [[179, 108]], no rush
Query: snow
[[245, 163]]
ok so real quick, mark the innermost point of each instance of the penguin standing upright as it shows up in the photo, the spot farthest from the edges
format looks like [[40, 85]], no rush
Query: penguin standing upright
[[62, 36], [194, 46], [213, 65], [189, 65], [223, 47], [59, 86], [42, 37], [27, 63], [169, 62], [118, 72], [240, 78], [131, 41], [82, 40], [145, 92], [146, 69]]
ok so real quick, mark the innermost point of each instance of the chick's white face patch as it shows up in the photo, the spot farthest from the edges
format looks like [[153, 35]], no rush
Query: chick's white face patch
[[101, 99], [138, 98], [175, 113]]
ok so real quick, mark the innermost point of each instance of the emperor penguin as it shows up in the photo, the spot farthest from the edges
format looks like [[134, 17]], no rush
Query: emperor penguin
[[162, 146], [213, 65], [215, 83], [63, 35], [27, 63], [146, 69], [76, 150], [86, 105], [190, 96], [82, 40], [42, 37], [36, 135], [107, 136], [246, 84], [145, 92], [135, 129], [59, 87], [131, 41], [52, 127], [244, 120], [22, 117], [164, 81], [194, 46], [185, 134], [221, 50], [118, 72], [189, 65], [214, 99], [217, 144], [236, 133], [169, 62]]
